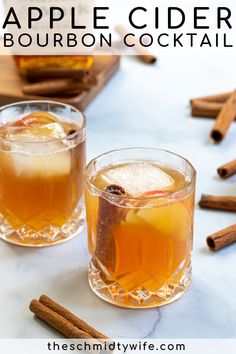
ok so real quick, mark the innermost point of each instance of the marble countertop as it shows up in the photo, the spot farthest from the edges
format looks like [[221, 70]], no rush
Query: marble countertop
[[148, 106]]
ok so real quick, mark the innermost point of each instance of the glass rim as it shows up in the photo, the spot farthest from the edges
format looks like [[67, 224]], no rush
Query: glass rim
[[25, 141], [141, 198]]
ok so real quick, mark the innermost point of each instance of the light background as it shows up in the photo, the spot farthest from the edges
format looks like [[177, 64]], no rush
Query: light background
[[148, 106]]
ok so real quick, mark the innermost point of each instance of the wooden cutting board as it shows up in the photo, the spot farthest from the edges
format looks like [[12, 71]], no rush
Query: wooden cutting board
[[105, 66]]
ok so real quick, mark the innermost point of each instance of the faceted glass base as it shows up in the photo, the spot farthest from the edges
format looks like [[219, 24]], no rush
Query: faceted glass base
[[140, 297], [50, 235]]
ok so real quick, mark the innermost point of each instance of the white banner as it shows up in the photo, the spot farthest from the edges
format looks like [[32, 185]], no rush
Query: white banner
[[81, 26], [186, 346]]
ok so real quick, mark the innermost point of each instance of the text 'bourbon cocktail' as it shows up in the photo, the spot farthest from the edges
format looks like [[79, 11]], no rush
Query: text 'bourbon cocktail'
[[140, 205], [42, 154]]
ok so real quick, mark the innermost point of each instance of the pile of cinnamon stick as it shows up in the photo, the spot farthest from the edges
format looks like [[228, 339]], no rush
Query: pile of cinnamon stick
[[57, 82], [226, 236], [63, 320], [222, 107]]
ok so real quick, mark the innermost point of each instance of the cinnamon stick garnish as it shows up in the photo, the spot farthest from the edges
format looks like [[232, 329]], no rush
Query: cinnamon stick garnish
[[39, 74], [109, 215], [77, 322], [222, 238], [224, 119], [218, 98], [227, 170], [142, 53], [55, 87], [227, 203], [206, 109], [57, 321]]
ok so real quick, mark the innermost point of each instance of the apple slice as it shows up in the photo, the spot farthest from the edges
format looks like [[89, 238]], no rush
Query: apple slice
[[35, 119], [155, 193], [171, 219]]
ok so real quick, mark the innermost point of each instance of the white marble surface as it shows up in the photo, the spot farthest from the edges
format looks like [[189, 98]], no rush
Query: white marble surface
[[141, 106]]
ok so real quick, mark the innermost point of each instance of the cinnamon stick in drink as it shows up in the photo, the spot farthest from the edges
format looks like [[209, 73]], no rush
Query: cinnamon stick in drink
[[227, 203], [224, 119], [227, 170], [206, 109], [222, 238], [57, 321], [109, 215], [143, 54], [76, 321]]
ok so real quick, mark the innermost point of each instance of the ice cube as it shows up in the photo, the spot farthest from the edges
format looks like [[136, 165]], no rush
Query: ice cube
[[35, 133], [138, 177], [37, 126], [36, 140], [34, 146], [43, 165]]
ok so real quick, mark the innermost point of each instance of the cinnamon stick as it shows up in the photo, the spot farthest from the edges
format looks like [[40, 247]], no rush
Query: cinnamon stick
[[224, 119], [109, 215], [222, 238], [142, 53], [39, 74], [227, 203], [57, 321], [55, 87], [227, 170], [77, 322], [218, 98], [201, 108]]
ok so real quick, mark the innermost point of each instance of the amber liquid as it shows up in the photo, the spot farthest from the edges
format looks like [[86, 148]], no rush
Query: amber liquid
[[52, 61], [150, 247], [40, 193]]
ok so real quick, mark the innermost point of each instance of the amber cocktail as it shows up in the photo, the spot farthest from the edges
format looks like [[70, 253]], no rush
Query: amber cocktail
[[42, 154], [140, 205]]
